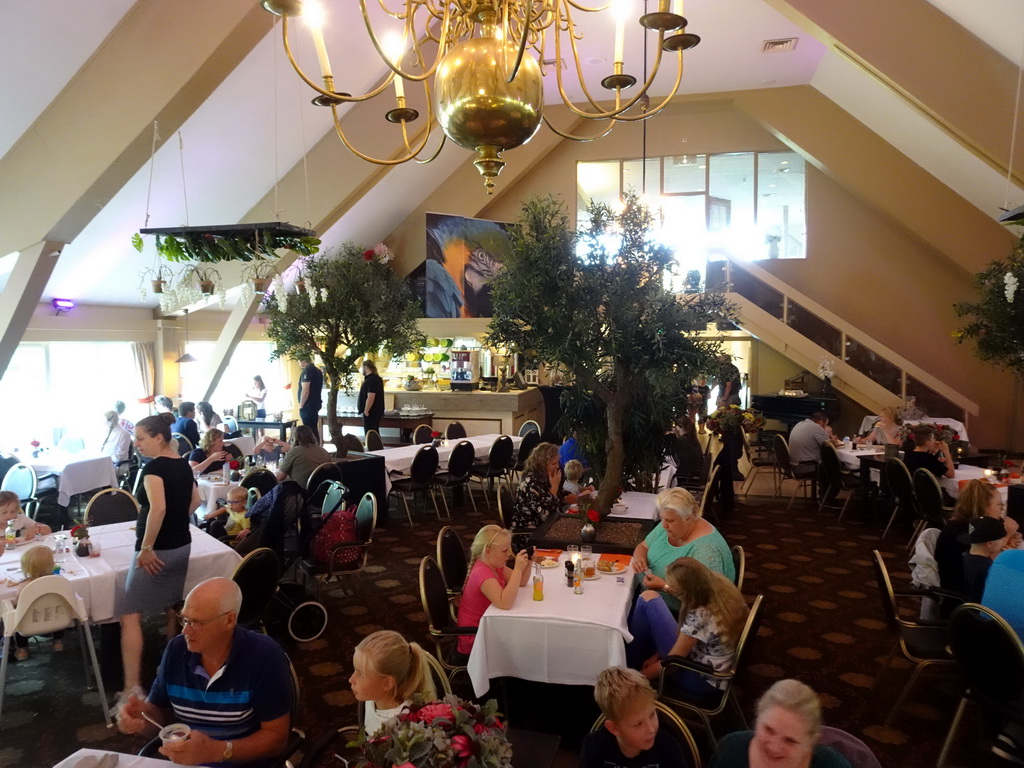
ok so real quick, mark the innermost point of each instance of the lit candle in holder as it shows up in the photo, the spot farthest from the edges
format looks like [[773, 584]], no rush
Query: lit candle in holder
[[677, 7], [394, 47], [620, 10], [314, 15]]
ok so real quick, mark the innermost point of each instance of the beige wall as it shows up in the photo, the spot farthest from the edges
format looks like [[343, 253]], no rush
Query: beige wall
[[862, 264]]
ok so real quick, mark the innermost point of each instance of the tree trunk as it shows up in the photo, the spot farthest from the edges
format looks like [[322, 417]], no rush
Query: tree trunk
[[616, 451], [332, 408]]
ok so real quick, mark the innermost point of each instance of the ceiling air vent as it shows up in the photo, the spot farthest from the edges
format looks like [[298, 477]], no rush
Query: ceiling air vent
[[779, 46]]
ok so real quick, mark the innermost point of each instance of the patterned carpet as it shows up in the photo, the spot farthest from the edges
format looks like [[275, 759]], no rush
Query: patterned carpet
[[822, 624]]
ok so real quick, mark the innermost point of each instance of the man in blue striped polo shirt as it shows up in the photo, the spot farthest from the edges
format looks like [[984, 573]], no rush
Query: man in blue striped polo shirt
[[230, 685]]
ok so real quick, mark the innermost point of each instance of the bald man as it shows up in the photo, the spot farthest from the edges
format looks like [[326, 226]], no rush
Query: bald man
[[230, 685]]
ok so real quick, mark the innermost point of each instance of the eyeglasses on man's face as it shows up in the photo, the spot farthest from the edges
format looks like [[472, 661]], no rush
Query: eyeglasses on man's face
[[197, 623]]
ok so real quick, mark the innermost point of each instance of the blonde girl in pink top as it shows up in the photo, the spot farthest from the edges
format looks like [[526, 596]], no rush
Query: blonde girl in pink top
[[490, 580]]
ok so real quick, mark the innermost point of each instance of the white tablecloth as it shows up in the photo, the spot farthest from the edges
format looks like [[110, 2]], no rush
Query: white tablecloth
[[640, 506], [400, 459], [868, 420], [123, 760], [967, 472], [851, 458], [245, 444], [100, 580], [213, 491], [565, 638], [78, 472]]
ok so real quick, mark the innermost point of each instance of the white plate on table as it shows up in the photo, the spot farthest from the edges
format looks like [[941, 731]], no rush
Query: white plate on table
[[549, 562], [617, 570]]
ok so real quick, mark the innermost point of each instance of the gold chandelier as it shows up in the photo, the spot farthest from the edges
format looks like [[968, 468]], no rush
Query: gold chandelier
[[483, 55]]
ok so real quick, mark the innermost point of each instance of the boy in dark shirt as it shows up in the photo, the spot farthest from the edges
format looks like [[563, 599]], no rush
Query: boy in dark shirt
[[986, 535], [629, 737], [929, 453]]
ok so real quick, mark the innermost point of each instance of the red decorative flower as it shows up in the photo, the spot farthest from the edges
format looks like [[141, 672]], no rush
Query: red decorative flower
[[34, 443], [1006, 462], [462, 745], [146, 400], [435, 433], [432, 712], [79, 532], [234, 464], [288, 386], [593, 515], [368, 254]]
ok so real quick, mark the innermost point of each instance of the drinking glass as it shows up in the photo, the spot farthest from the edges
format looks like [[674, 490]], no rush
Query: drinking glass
[[574, 552]]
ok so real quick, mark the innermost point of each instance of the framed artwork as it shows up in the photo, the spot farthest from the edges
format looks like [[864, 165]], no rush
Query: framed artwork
[[463, 256]]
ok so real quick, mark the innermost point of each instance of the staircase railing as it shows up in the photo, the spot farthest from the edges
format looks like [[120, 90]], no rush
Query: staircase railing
[[838, 338]]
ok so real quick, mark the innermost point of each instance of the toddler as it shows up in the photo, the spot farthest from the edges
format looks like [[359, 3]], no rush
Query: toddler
[[24, 526], [388, 672], [37, 561], [235, 509], [630, 736], [573, 473]]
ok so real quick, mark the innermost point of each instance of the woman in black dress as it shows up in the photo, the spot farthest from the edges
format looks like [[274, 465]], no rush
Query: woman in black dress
[[163, 542]]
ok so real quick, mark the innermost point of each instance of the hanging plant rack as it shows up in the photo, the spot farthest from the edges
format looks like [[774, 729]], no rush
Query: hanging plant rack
[[229, 242]]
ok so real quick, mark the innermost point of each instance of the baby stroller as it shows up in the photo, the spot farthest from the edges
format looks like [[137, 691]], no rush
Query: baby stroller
[[282, 522]]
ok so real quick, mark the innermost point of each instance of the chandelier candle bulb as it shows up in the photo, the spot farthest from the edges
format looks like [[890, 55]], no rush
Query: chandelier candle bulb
[[620, 11], [677, 7], [315, 17]]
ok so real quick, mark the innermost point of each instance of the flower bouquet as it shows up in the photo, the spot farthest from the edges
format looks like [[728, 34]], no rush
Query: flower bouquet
[[80, 534], [447, 733], [731, 420], [943, 432]]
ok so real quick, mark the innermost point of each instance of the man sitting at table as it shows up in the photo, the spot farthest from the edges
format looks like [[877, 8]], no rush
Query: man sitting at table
[[185, 423], [807, 437], [929, 453], [163, 404], [230, 685]]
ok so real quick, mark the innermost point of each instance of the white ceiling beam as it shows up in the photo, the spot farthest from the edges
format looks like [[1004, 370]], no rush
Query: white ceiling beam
[[20, 296]]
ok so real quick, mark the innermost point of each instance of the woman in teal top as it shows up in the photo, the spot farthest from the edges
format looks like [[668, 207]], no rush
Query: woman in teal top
[[682, 533], [785, 735]]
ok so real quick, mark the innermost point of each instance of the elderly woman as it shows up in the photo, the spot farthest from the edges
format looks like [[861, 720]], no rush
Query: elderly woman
[[977, 499], [785, 734], [682, 533], [210, 455], [540, 492], [117, 443]]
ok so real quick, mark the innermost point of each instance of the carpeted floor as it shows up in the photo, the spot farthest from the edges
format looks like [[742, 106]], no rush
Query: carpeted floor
[[822, 624]]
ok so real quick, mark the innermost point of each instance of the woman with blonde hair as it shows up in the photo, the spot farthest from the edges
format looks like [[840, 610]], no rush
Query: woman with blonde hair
[[785, 734], [977, 499], [683, 533], [885, 430], [490, 581], [711, 617], [210, 455], [387, 672]]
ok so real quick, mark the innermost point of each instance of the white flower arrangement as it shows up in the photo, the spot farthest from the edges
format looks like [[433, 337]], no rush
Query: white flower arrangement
[[1010, 284], [826, 368]]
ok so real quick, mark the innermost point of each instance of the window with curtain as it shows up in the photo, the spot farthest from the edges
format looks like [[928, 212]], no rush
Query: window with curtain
[[250, 358]]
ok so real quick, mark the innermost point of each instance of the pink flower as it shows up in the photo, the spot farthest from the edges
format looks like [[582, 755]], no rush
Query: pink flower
[[479, 728], [405, 765], [432, 712], [462, 745]]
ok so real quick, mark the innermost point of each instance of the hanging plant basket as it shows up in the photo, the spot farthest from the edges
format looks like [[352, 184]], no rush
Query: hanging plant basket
[[235, 242], [158, 285], [207, 287], [260, 284], [300, 286]]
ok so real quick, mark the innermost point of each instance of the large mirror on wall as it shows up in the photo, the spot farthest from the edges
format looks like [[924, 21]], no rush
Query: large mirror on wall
[[746, 206]]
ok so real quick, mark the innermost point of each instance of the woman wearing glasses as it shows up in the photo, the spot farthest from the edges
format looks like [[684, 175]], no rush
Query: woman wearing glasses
[[490, 580], [163, 543]]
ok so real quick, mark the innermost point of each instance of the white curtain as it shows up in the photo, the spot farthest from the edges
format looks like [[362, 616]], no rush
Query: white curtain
[[145, 354]]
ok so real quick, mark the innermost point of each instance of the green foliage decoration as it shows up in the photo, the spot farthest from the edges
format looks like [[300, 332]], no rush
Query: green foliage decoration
[[596, 307], [354, 305], [996, 321], [210, 248]]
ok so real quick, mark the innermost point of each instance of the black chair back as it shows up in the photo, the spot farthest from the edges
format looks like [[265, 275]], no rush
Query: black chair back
[[781, 448], [112, 505], [373, 441], [434, 595], [929, 497], [260, 478], [20, 479], [830, 471], [991, 657], [461, 459], [455, 431], [739, 562], [424, 464], [530, 441], [529, 426], [501, 452], [506, 506], [451, 556], [185, 446], [900, 484], [321, 474], [423, 434], [257, 576]]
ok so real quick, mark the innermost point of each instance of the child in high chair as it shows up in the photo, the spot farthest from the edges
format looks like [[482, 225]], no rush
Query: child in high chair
[[388, 672], [24, 526], [630, 735], [234, 510], [36, 562]]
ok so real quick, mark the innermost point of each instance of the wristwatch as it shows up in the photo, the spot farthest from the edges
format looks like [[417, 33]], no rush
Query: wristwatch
[[148, 548], [229, 750]]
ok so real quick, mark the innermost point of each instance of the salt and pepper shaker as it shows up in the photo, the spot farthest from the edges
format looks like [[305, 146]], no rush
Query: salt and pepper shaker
[[569, 566]]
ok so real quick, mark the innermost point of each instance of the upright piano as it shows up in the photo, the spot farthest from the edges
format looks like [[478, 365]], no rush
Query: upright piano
[[792, 410]]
